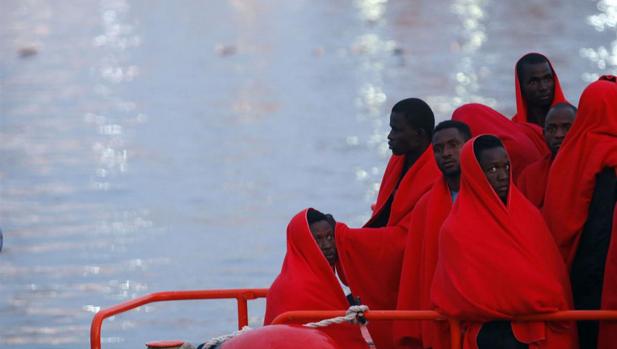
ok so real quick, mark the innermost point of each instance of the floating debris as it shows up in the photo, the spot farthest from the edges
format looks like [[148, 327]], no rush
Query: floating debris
[[27, 51]]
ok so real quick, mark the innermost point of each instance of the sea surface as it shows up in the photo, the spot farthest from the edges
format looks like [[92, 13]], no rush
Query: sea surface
[[156, 145]]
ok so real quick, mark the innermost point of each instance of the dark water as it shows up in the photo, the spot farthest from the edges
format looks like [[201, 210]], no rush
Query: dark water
[[157, 145]]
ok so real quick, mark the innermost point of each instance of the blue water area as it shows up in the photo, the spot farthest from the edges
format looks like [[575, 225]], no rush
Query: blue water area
[[160, 145]]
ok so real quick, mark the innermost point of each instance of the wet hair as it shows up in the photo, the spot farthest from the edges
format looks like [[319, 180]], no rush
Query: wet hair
[[314, 216], [485, 142], [462, 128], [418, 114], [529, 59], [564, 105]]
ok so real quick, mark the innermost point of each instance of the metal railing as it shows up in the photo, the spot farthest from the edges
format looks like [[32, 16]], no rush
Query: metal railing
[[241, 296], [455, 324]]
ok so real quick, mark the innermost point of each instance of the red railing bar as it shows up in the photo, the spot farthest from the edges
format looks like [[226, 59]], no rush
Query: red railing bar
[[241, 296], [455, 324], [312, 315], [607, 315]]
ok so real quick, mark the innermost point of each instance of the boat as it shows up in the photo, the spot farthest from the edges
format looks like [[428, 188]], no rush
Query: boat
[[242, 296]]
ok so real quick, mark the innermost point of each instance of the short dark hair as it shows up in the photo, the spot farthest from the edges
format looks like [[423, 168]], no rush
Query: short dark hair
[[528, 59], [485, 142], [418, 114], [313, 216], [565, 105], [462, 128]]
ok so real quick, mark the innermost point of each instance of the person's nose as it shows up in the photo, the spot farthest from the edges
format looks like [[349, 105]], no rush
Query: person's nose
[[503, 175], [328, 244], [447, 152], [390, 135], [544, 85], [561, 133]]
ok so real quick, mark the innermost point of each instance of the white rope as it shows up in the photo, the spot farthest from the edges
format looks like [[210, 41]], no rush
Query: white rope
[[218, 340], [353, 314]]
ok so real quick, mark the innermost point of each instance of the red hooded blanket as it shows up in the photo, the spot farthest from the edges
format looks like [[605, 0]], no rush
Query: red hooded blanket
[[308, 282], [482, 119], [371, 258], [533, 179], [419, 267], [497, 261], [589, 147], [533, 131]]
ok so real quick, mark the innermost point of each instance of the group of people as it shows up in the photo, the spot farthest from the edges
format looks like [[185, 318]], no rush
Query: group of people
[[482, 218]]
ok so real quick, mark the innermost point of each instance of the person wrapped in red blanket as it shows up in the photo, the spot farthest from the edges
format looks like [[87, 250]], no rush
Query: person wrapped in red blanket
[[537, 90], [307, 280], [371, 257], [497, 259], [533, 179], [482, 119], [421, 249], [579, 207]]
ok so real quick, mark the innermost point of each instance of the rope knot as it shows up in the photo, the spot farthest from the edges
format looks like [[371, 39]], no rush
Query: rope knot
[[356, 313]]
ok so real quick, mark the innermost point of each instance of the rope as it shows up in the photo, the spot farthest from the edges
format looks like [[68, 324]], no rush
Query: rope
[[218, 340], [354, 315]]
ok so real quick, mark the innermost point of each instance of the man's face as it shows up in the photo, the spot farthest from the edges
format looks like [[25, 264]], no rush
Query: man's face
[[402, 137], [557, 124], [447, 144], [496, 166], [537, 84], [324, 236]]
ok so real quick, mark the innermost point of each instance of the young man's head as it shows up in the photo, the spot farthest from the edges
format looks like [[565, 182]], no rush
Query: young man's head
[[448, 139], [411, 124], [536, 80], [558, 121], [495, 163], [323, 232]]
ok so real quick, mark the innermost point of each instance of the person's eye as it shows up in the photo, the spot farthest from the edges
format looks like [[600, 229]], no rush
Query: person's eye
[[492, 169], [508, 167]]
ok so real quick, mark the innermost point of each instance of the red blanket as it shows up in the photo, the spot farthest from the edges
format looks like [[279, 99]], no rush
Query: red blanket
[[371, 258], [533, 179], [419, 267], [482, 119], [497, 261], [589, 147], [308, 282], [533, 131]]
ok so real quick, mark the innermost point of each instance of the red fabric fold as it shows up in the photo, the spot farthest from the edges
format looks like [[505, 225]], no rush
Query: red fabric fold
[[419, 265], [497, 261], [589, 147], [533, 179], [483, 119], [533, 131], [371, 258], [308, 282]]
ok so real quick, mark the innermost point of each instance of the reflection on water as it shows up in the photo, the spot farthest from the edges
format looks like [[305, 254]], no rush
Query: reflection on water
[[604, 58], [147, 146]]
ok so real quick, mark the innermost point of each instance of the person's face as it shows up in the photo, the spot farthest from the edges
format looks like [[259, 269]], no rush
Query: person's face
[[447, 144], [324, 236], [537, 84], [496, 166], [402, 138], [557, 124]]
